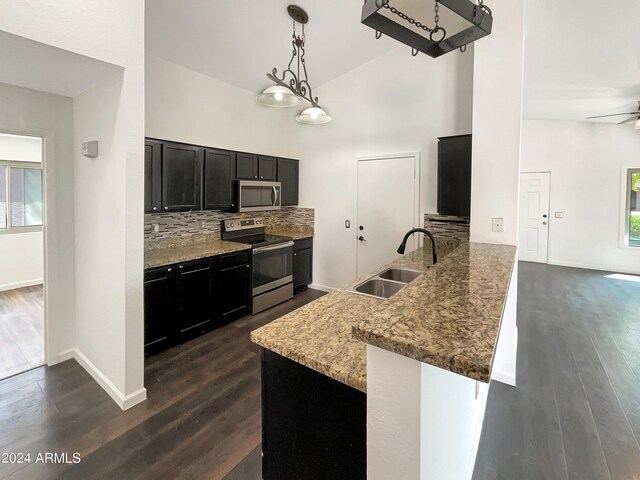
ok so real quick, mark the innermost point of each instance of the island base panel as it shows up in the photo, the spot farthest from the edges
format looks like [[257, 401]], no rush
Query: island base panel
[[313, 427]]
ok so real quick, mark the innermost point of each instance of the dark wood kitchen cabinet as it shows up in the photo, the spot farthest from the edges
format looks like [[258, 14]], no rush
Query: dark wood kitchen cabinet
[[181, 177], [454, 175], [233, 286], [152, 176], [302, 263], [159, 308], [267, 168], [289, 176], [246, 166], [194, 298], [219, 166]]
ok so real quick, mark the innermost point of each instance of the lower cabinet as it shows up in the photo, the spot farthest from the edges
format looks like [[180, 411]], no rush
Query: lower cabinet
[[302, 263], [184, 300]]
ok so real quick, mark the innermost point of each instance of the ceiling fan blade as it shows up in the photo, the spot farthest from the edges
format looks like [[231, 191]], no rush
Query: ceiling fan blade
[[613, 115], [632, 119]]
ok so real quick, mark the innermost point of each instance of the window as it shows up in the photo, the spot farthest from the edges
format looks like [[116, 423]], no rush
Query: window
[[632, 213], [20, 196]]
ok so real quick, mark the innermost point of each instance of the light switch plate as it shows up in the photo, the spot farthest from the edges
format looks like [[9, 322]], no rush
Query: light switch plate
[[90, 149], [497, 224], [559, 215]]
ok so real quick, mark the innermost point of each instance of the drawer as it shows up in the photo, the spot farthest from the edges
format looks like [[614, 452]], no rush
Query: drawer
[[234, 259], [302, 244]]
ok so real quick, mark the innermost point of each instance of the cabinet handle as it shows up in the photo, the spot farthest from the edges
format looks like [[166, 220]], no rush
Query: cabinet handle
[[181, 266], [295, 254], [261, 176], [247, 266], [154, 208], [166, 208], [169, 269]]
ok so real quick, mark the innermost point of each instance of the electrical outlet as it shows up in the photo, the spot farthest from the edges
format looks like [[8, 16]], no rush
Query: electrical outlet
[[559, 215], [497, 224]]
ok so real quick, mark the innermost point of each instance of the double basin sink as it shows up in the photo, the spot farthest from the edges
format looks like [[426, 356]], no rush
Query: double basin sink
[[386, 283]]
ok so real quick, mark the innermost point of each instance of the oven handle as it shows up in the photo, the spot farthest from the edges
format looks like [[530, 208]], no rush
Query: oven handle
[[272, 247]]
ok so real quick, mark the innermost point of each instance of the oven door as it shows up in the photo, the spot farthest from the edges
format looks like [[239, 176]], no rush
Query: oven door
[[258, 196], [272, 267]]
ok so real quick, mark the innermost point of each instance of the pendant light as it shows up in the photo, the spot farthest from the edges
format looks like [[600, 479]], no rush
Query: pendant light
[[292, 86], [313, 116], [277, 96]]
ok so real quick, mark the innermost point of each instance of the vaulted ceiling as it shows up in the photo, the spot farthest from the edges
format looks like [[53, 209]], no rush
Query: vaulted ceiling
[[239, 41], [582, 58]]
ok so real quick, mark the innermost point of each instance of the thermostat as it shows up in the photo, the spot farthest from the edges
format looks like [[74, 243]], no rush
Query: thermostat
[[90, 149]]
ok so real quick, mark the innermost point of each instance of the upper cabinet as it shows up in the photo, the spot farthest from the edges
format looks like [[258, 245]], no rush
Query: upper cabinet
[[267, 168], [247, 166], [454, 175], [219, 168], [288, 175], [181, 177], [152, 176]]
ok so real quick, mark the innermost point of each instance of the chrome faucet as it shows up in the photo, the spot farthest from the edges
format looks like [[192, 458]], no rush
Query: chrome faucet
[[434, 247]]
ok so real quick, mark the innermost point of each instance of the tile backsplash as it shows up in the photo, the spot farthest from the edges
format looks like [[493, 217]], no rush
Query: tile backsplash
[[447, 226], [182, 224]]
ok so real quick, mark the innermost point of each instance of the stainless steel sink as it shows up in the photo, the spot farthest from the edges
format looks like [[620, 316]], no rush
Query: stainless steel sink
[[397, 274], [386, 283], [376, 287]]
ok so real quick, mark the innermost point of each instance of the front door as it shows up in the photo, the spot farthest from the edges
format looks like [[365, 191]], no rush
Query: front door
[[386, 209], [534, 217]]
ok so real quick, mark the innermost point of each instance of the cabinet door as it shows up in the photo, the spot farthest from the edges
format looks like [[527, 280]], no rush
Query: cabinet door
[[159, 308], [454, 175], [288, 175], [152, 176], [234, 292], [218, 179], [246, 166], [181, 177], [302, 267], [267, 168], [194, 297]]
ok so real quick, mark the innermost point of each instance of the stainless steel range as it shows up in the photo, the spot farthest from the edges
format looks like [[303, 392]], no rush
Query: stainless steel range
[[272, 262]]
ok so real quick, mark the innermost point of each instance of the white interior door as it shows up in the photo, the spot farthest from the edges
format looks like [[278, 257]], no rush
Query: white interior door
[[534, 217], [388, 192]]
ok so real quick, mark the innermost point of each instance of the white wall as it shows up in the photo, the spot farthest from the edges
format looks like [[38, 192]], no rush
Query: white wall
[[22, 260], [110, 31], [497, 119], [585, 161], [186, 106], [393, 104], [25, 111]]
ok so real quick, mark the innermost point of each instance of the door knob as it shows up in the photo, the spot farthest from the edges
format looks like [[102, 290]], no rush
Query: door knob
[[361, 238], [544, 223], [544, 216], [361, 227]]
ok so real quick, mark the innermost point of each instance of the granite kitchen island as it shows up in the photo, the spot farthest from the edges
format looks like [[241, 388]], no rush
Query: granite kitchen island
[[447, 319]]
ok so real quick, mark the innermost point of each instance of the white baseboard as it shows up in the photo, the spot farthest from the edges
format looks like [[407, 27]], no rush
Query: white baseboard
[[322, 288], [26, 283], [123, 401], [603, 268]]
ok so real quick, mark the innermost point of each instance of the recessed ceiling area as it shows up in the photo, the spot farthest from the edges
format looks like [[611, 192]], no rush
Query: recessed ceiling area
[[29, 64], [582, 58], [239, 41]]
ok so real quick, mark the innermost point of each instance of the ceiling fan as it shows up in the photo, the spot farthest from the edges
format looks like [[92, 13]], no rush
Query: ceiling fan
[[635, 117]]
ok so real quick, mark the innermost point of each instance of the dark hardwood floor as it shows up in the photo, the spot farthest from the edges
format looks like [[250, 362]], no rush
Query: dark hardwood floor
[[575, 413], [21, 330], [201, 420]]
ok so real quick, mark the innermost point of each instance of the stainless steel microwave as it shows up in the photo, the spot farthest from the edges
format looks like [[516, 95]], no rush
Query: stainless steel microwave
[[256, 196]]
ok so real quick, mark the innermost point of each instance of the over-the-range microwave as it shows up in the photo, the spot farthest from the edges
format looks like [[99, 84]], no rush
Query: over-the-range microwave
[[256, 196]]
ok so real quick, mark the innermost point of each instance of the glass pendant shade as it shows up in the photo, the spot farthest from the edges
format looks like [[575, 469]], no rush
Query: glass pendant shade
[[277, 96], [638, 124], [313, 116]]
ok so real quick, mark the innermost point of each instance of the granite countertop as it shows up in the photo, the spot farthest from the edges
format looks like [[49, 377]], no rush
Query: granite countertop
[[189, 249], [448, 317], [158, 253]]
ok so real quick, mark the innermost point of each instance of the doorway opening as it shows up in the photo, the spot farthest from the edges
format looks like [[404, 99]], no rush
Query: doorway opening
[[22, 319], [388, 203], [533, 241]]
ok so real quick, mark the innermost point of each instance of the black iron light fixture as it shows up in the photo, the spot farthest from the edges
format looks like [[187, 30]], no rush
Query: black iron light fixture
[[293, 83], [436, 43]]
